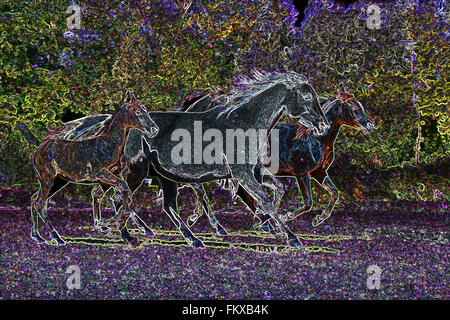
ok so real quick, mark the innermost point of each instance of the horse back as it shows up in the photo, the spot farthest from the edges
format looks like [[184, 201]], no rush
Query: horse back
[[82, 129]]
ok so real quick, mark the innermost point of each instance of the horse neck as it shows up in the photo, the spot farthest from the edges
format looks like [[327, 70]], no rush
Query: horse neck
[[118, 127], [333, 116], [265, 113]]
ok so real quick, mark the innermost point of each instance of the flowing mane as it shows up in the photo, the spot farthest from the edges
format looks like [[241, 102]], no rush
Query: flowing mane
[[246, 87], [84, 128]]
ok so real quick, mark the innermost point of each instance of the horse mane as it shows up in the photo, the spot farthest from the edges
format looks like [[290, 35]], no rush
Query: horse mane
[[84, 128], [248, 87], [190, 99]]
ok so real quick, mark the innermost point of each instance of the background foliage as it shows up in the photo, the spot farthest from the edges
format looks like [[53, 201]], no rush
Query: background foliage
[[163, 50]]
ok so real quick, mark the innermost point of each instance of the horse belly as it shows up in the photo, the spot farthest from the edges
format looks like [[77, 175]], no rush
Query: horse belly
[[82, 161]]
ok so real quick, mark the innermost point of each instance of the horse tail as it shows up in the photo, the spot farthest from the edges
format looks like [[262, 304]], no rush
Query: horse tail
[[190, 100], [26, 132]]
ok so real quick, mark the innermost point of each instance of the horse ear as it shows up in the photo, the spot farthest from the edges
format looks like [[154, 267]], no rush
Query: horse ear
[[128, 97], [116, 107]]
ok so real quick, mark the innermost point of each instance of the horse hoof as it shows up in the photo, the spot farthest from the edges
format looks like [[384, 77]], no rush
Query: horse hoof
[[191, 221], [136, 243], [221, 231], [294, 243], [60, 242], [133, 241], [149, 233], [267, 228], [104, 230], [38, 239], [197, 243], [128, 239], [318, 221]]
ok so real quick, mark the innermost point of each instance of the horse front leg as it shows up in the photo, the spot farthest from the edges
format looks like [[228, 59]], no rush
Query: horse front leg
[[253, 187], [97, 195], [270, 181], [331, 188], [106, 177], [117, 199], [258, 215], [202, 206], [135, 175], [210, 213], [198, 209]]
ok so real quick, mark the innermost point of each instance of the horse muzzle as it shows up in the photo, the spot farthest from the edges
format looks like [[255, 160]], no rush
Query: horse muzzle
[[153, 131], [369, 127], [323, 127]]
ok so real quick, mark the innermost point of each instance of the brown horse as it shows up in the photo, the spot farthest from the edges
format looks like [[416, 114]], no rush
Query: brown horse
[[93, 153]]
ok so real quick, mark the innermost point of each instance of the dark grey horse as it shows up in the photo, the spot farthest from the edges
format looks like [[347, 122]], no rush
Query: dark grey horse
[[255, 105]]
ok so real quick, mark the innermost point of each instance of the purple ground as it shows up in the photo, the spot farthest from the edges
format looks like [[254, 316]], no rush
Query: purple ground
[[409, 244]]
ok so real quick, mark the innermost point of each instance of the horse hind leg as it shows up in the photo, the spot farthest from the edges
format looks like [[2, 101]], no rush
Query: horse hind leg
[[141, 225], [331, 188], [35, 209], [198, 209], [58, 184], [40, 205]]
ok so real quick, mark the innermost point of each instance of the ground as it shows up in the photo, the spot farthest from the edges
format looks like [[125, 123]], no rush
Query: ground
[[409, 242]]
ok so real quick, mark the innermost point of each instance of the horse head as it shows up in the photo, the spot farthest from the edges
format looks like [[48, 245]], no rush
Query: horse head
[[353, 113], [303, 104], [136, 115]]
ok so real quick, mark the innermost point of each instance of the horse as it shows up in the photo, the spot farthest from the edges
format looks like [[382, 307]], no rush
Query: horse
[[305, 156], [265, 98], [87, 150]]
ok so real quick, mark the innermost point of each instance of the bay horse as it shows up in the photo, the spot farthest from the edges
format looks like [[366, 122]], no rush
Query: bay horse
[[305, 156], [255, 104], [88, 150]]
